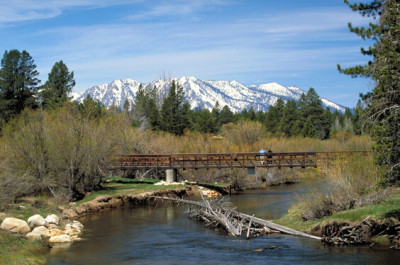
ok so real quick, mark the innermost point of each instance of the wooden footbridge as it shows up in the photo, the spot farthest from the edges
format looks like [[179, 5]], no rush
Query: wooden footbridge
[[223, 160]]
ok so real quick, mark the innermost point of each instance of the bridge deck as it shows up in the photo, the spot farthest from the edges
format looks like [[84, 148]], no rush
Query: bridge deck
[[222, 160]]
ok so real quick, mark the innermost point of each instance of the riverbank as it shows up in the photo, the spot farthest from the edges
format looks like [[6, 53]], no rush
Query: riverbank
[[115, 193], [106, 202], [376, 225]]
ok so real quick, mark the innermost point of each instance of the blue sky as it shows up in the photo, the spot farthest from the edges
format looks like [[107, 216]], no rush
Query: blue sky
[[291, 42]]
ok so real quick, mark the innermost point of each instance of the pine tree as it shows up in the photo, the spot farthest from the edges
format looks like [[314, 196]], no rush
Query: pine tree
[[126, 106], [251, 114], [358, 119], [145, 109], [154, 116], [289, 123], [204, 121], [273, 116], [173, 118], [18, 83], [226, 115], [215, 113], [312, 115], [383, 103], [57, 87]]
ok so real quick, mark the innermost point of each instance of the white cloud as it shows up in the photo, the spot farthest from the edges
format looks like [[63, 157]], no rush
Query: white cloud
[[177, 8], [248, 48], [28, 10]]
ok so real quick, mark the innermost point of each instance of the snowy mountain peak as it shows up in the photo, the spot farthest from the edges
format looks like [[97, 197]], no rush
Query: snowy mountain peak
[[202, 94]]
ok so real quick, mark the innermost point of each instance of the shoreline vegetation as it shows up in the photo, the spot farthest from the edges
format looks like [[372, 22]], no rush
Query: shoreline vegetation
[[120, 192]]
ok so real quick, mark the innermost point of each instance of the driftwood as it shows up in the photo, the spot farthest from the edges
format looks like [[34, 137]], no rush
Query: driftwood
[[233, 221]]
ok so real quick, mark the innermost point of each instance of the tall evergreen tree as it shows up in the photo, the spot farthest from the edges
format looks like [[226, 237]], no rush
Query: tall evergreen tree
[[273, 116], [126, 106], [215, 113], [173, 119], [312, 114], [358, 119], [251, 114], [18, 83], [204, 121], [226, 115], [145, 110], [290, 124], [384, 101], [57, 87]]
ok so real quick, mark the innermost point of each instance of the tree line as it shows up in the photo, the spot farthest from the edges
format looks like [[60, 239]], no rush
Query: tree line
[[303, 118]]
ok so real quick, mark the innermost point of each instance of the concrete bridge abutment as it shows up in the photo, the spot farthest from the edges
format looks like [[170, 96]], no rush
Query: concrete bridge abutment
[[171, 175]]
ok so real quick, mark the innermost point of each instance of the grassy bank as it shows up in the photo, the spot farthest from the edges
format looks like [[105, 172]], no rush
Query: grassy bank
[[15, 249], [118, 186], [387, 209]]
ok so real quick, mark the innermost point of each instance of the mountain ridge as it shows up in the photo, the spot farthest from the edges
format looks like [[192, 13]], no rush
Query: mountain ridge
[[202, 93]]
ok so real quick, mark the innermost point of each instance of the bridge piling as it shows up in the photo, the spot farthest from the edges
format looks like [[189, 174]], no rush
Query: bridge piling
[[171, 175]]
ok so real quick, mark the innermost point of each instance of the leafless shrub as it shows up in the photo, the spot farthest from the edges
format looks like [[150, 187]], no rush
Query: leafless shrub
[[353, 183]]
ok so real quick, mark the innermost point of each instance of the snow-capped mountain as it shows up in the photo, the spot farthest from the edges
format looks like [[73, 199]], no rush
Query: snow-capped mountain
[[202, 94]]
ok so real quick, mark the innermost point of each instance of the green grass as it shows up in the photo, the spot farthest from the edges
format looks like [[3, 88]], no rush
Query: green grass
[[117, 186], [17, 250], [387, 209], [133, 187], [381, 240]]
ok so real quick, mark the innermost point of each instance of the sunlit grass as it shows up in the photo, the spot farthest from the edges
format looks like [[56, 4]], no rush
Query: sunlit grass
[[390, 208], [128, 187], [15, 250]]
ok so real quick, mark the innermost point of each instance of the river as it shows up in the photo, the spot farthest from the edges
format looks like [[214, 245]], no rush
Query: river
[[165, 235]]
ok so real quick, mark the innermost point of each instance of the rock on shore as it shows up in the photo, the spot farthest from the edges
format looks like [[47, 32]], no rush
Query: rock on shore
[[44, 228], [15, 225]]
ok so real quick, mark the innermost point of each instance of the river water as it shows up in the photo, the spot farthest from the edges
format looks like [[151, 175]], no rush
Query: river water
[[165, 235]]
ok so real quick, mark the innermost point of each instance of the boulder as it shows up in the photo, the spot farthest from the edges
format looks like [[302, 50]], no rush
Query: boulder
[[53, 226], [77, 223], [56, 232], [72, 230], [60, 239], [37, 220], [38, 232], [15, 225], [52, 219]]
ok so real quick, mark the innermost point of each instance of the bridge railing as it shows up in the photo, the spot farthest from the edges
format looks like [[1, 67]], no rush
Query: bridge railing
[[214, 160]]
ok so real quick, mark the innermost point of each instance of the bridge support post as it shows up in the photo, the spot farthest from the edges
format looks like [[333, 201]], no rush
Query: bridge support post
[[171, 175]]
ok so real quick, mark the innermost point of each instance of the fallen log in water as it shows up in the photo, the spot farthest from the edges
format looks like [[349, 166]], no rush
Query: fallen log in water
[[234, 221]]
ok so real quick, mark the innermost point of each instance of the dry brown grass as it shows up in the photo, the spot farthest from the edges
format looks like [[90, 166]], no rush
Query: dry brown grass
[[352, 181]]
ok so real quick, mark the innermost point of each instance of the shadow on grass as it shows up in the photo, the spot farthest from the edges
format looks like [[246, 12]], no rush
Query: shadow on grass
[[393, 214]]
